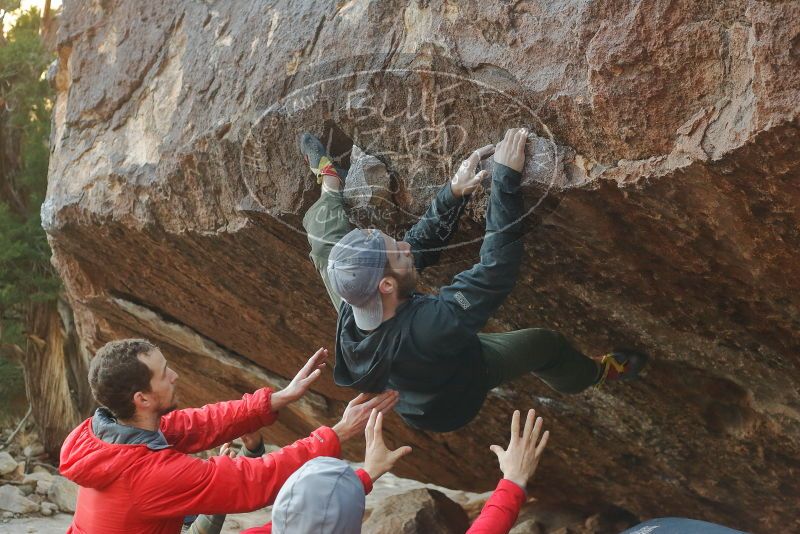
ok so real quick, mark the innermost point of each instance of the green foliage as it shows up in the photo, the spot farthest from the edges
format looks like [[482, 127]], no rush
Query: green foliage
[[7, 6], [12, 385], [25, 107], [25, 273]]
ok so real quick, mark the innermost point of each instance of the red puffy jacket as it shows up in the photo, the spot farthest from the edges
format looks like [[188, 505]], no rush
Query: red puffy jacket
[[130, 489]]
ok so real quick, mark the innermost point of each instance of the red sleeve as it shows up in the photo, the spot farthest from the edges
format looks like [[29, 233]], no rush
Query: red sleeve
[[501, 510], [366, 480], [184, 485], [198, 429]]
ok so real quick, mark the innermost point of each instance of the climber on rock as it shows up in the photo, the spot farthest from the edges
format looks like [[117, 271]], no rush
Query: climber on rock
[[429, 347]]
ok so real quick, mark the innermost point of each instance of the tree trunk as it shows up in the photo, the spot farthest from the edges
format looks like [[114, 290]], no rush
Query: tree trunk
[[49, 27], [55, 374]]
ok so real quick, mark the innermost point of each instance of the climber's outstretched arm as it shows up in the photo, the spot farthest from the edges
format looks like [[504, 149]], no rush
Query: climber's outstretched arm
[[475, 294], [435, 229]]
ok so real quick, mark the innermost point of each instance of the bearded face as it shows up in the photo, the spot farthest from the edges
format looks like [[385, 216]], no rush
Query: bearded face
[[163, 391], [169, 406], [406, 282]]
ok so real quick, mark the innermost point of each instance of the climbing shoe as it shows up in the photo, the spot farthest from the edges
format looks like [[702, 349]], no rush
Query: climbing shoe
[[621, 364], [317, 157]]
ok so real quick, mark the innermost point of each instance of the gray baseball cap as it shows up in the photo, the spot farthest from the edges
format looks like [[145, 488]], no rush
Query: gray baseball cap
[[324, 495], [355, 266]]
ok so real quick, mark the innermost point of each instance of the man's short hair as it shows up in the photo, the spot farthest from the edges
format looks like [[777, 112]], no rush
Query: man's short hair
[[116, 373]]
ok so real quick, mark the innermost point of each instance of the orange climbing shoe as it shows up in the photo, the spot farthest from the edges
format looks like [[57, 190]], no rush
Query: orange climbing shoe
[[621, 364]]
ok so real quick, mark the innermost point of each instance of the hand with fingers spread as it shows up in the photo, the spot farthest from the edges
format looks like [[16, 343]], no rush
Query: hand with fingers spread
[[356, 414], [518, 462], [511, 150], [302, 381], [378, 458], [465, 181]]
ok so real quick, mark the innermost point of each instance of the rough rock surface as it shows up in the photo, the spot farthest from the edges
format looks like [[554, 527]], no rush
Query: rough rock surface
[[12, 499], [368, 189], [63, 493], [418, 510], [7, 463], [669, 221]]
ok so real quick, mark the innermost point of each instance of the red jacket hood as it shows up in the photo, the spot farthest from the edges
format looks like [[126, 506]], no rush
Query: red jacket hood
[[91, 462]]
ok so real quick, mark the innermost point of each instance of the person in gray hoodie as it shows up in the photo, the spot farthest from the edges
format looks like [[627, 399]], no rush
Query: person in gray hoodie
[[429, 347]]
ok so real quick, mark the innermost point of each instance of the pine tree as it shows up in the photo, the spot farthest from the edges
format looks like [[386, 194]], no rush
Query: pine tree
[[26, 276]]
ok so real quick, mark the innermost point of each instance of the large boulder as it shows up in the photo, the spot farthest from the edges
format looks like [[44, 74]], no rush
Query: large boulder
[[13, 500], [42, 481], [662, 215], [7, 464], [63, 493], [417, 510]]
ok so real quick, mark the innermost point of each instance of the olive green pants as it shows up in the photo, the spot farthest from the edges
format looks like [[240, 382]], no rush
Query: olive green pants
[[545, 353], [326, 223]]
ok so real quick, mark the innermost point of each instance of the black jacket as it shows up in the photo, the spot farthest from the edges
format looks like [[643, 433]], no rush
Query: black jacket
[[429, 351]]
